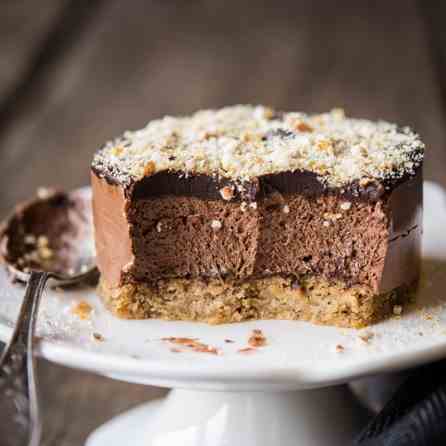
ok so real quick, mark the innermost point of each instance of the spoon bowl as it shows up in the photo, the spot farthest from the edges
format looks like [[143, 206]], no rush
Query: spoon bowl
[[52, 233]]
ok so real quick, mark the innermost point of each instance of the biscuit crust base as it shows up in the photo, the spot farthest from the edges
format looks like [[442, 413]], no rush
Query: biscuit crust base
[[218, 301]]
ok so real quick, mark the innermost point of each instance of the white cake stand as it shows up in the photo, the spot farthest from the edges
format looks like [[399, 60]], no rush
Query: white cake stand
[[234, 398]]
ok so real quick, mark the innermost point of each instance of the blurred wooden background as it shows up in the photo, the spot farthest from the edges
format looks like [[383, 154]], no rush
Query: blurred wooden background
[[75, 73]]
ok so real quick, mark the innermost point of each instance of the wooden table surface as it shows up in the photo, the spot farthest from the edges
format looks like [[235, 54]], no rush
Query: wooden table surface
[[75, 73]]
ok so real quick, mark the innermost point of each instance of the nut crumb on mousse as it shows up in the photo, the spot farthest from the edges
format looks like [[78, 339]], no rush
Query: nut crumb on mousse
[[227, 193]]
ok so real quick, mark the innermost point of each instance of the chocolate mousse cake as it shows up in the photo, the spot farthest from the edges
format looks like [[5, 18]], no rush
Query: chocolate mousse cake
[[249, 213]]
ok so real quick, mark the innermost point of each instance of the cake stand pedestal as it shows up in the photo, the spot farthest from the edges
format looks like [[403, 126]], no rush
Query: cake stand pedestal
[[327, 416]]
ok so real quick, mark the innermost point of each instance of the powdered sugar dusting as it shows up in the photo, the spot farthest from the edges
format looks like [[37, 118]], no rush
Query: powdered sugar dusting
[[243, 142]]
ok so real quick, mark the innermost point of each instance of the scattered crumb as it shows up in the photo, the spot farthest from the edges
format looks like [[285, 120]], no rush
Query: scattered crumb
[[366, 337], [257, 339], [286, 209], [98, 337], [194, 344], [189, 342], [116, 151], [229, 341], [175, 350], [83, 310], [339, 348], [247, 350], [397, 310]]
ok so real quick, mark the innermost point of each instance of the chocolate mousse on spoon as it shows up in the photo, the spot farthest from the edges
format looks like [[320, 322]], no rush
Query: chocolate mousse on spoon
[[47, 238]]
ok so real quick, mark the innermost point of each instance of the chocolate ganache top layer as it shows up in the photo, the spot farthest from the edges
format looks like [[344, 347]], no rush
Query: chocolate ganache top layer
[[248, 146]]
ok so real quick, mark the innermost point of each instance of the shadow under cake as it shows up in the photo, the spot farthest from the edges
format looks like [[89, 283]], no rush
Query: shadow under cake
[[246, 213]]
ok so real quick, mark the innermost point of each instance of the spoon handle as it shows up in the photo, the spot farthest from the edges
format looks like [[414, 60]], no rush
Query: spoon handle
[[18, 396]]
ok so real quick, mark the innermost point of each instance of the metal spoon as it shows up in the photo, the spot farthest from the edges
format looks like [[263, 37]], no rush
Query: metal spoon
[[48, 238]]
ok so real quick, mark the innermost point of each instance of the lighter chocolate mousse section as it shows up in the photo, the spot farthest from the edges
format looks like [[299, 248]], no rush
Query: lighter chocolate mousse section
[[112, 236]]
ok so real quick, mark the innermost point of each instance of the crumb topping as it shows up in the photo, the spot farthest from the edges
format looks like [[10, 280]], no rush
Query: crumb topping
[[243, 142]]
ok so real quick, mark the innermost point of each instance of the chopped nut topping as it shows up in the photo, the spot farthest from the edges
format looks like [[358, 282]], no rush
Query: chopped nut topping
[[159, 226], [244, 142], [286, 209], [326, 223], [116, 151], [243, 206], [227, 193], [253, 205], [324, 146], [303, 127], [149, 168], [346, 205]]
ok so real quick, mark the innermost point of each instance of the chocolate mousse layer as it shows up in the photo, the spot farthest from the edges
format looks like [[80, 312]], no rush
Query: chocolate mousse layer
[[337, 244]]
